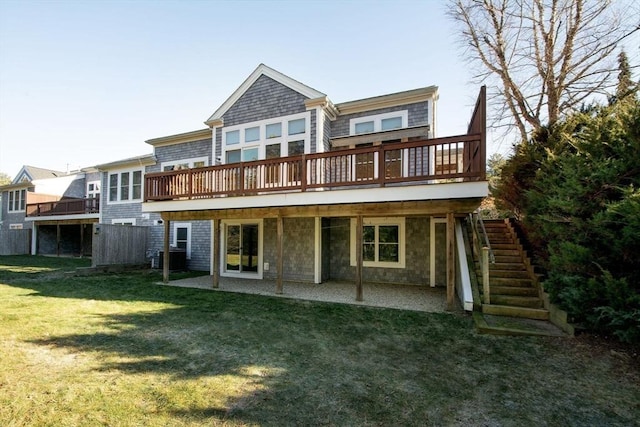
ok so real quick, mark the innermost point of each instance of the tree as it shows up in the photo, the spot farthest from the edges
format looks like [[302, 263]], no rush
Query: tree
[[540, 58], [4, 179]]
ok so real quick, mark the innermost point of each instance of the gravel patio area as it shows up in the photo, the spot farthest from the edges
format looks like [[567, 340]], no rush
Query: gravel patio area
[[404, 297]]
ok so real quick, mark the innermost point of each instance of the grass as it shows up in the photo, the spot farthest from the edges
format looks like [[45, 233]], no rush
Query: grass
[[118, 350]]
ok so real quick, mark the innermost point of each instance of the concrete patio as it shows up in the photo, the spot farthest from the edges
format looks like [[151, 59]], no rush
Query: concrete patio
[[404, 297]]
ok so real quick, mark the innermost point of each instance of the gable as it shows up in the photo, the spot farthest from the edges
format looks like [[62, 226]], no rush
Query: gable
[[264, 99], [258, 74]]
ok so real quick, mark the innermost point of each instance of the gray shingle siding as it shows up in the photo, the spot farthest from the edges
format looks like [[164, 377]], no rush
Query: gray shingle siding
[[417, 112], [298, 241], [187, 150], [265, 99], [327, 133], [416, 252]]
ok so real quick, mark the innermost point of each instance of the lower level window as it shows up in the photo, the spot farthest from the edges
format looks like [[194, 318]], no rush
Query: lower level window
[[382, 242], [182, 237]]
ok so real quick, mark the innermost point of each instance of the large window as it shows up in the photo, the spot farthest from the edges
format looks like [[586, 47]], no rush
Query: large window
[[382, 242], [379, 122], [282, 136], [17, 200], [125, 186]]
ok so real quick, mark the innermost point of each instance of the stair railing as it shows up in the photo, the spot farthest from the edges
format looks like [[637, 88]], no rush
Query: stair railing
[[482, 246]]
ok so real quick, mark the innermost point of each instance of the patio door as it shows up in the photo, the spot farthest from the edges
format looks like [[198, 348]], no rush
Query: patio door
[[242, 252]]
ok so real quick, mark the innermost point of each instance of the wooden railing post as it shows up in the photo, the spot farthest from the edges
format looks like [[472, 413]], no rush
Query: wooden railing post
[[303, 172], [381, 165], [485, 276]]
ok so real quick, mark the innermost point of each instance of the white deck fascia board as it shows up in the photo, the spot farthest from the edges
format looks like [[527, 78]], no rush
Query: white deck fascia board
[[61, 217], [447, 191]]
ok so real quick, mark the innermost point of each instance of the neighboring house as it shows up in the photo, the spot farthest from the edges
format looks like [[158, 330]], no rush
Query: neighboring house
[[56, 207], [286, 185]]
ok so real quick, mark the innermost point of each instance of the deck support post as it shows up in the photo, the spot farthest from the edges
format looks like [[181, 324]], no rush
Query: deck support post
[[216, 253], [280, 250], [451, 264], [359, 296], [165, 255], [81, 240], [58, 239]]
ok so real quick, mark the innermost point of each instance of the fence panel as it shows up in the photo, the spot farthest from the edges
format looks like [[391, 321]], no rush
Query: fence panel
[[15, 242], [119, 244]]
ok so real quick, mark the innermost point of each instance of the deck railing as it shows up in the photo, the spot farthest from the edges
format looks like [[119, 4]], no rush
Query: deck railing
[[64, 207], [457, 158]]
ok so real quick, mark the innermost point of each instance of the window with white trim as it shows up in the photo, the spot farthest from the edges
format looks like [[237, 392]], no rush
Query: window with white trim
[[93, 189], [125, 186], [17, 200], [383, 242], [123, 221], [182, 237], [379, 122], [277, 137], [195, 162]]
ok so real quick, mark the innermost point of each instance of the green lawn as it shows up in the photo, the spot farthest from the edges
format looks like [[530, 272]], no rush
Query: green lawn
[[119, 350]]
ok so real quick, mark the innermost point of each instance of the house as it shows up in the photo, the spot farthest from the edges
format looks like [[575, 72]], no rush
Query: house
[[49, 212], [283, 184]]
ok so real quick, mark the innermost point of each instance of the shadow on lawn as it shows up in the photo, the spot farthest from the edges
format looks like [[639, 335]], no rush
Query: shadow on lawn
[[261, 354]]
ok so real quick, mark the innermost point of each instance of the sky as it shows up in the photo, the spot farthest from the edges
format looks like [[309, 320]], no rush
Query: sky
[[87, 82]]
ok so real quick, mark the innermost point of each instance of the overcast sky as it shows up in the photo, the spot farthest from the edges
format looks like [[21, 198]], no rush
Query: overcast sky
[[87, 82]]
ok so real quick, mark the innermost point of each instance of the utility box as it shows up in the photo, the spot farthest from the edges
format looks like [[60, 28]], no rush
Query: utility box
[[177, 259]]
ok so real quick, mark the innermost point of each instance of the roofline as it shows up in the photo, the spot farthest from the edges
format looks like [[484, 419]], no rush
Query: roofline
[[144, 160], [179, 138], [390, 100], [271, 73], [17, 186]]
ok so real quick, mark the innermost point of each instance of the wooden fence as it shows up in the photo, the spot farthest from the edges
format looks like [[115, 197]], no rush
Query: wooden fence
[[119, 244], [15, 242]]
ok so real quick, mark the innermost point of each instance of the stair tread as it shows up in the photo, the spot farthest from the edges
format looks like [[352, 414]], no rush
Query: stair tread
[[505, 310]]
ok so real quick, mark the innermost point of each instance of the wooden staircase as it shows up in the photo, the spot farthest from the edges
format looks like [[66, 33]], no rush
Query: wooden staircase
[[513, 285]]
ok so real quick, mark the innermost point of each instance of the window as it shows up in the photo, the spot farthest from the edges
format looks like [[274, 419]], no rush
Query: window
[[252, 134], [364, 127], [274, 130], [232, 137], [296, 127], [125, 186], [379, 122], [382, 242], [17, 200], [196, 162], [287, 136], [182, 237], [391, 123], [93, 190], [123, 221]]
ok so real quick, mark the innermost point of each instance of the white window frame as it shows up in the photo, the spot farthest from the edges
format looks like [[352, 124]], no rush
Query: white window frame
[[377, 120], [186, 225], [96, 189], [398, 221], [119, 173], [123, 221], [189, 162], [223, 249], [261, 143], [17, 195]]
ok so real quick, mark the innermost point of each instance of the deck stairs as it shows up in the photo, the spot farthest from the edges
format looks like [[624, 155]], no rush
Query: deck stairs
[[513, 285]]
